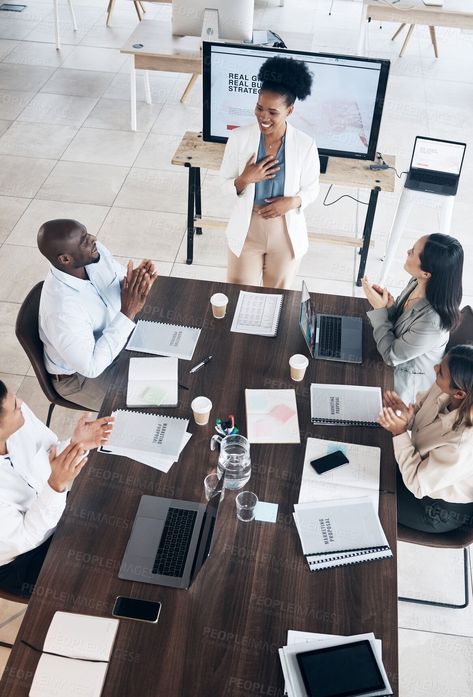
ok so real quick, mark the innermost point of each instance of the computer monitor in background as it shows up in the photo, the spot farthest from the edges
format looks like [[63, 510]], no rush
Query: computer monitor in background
[[235, 18], [343, 112]]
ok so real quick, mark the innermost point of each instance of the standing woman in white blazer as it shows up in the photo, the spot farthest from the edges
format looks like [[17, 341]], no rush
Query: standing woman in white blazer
[[272, 169]]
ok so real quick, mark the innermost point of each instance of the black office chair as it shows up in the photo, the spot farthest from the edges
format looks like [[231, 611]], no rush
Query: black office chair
[[27, 332], [456, 539], [463, 334]]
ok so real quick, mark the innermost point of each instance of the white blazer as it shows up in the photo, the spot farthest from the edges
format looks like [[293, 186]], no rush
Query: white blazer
[[302, 179]]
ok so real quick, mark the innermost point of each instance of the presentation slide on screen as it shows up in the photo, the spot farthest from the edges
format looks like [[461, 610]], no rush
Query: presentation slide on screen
[[439, 156], [338, 113]]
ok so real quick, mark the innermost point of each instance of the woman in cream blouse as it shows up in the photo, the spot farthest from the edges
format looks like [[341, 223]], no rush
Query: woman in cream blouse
[[435, 486], [272, 170], [412, 331]]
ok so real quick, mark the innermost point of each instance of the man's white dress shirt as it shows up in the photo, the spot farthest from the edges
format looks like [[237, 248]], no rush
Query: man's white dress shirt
[[29, 508], [80, 321]]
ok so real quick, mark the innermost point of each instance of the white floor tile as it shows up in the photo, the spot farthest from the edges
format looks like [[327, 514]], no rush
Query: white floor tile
[[155, 235], [36, 140], [14, 359], [58, 109], [12, 102], [11, 209], [25, 231], [104, 147], [154, 190], [115, 114], [91, 58], [33, 53], [28, 78], [20, 269], [84, 183], [23, 176], [199, 273], [6, 46], [434, 665], [157, 152], [78, 83]]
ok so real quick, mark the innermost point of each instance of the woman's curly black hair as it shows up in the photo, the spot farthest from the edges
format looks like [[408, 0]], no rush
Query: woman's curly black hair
[[286, 76]]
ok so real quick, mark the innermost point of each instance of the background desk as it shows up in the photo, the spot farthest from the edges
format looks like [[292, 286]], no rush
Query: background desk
[[196, 154], [454, 13], [220, 638]]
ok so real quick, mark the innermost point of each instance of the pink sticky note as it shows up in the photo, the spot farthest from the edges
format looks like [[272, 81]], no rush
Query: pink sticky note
[[282, 413]]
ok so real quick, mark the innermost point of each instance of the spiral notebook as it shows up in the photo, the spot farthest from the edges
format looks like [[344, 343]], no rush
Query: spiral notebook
[[345, 405], [257, 314], [163, 339], [339, 533], [152, 434]]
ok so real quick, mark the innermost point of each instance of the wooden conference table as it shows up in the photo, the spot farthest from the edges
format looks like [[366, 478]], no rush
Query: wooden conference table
[[220, 638], [457, 14]]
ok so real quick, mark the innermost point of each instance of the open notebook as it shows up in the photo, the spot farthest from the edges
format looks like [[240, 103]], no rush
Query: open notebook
[[83, 646], [359, 477], [152, 382], [271, 416]]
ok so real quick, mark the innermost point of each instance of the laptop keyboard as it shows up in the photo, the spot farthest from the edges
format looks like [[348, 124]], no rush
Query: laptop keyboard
[[330, 336], [175, 541], [433, 178]]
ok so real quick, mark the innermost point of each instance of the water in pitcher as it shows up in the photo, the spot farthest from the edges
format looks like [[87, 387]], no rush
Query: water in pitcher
[[234, 460]]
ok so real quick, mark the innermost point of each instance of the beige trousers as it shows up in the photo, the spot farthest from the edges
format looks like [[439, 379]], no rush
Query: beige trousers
[[267, 254]]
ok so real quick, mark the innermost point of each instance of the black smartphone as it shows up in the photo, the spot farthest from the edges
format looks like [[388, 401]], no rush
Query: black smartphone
[[136, 609], [329, 462]]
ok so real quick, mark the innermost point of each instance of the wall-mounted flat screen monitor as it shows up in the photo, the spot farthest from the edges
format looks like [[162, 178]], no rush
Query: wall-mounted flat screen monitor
[[235, 18], [343, 111]]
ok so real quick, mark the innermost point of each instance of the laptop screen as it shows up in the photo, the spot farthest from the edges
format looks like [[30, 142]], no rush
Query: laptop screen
[[438, 155], [308, 319], [208, 527]]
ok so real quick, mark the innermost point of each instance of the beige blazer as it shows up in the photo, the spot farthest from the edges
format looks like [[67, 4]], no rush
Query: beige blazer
[[435, 460], [302, 179], [411, 341]]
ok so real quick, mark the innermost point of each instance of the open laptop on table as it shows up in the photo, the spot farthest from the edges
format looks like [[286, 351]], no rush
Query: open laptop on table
[[330, 337], [435, 166], [170, 540]]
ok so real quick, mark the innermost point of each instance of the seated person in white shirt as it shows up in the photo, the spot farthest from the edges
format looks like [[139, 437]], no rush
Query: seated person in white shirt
[[36, 472], [86, 312], [435, 475]]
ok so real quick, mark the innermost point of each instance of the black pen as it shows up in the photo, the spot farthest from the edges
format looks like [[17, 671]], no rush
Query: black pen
[[200, 365]]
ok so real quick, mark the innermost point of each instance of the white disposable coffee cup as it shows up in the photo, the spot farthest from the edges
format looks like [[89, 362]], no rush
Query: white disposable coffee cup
[[298, 365], [201, 407], [219, 302]]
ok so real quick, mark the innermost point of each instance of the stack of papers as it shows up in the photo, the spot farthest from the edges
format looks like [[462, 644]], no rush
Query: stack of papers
[[163, 339], [271, 416], [359, 477], [338, 533], [153, 439], [83, 645], [257, 313], [302, 642], [152, 382]]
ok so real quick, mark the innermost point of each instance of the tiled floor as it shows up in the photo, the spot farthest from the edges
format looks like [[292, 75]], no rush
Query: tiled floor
[[66, 151]]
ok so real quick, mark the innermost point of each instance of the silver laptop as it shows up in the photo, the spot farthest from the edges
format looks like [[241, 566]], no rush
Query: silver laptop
[[170, 540], [330, 337], [436, 166]]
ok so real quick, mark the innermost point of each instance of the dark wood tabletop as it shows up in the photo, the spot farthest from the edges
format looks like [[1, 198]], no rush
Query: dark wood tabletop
[[221, 637]]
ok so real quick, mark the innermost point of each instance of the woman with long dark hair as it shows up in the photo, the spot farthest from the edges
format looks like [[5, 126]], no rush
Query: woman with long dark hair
[[435, 482], [412, 331], [272, 169]]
